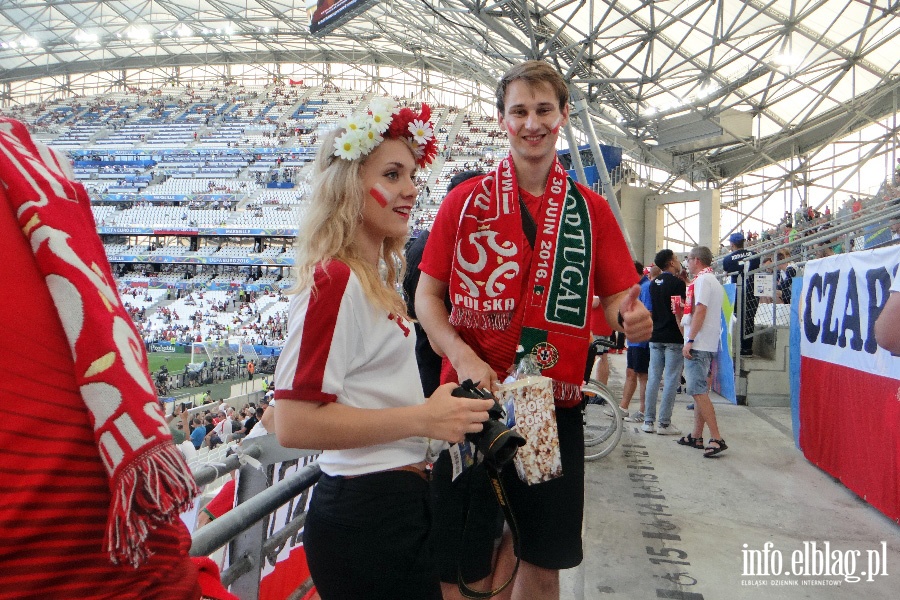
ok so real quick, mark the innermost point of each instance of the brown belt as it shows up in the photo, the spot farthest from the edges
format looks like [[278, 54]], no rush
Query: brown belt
[[410, 468]]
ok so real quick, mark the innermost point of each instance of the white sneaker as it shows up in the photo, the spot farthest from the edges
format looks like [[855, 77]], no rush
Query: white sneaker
[[637, 417], [648, 428], [668, 430]]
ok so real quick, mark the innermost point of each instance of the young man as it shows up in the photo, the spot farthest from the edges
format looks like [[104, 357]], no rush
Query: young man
[[734, 264], [702, 329], [666, 341], [480, 248]]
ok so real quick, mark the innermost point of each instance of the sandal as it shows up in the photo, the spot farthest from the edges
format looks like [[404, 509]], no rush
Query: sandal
[[713, 451], [689, 440]]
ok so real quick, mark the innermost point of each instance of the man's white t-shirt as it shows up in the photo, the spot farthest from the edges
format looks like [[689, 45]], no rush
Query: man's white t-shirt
[[341, 348], [223, 428], [708, 292], [895, 286]]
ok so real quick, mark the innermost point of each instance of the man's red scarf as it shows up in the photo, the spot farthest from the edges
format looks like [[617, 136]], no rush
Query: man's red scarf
[[487, 275], [148, 478], [689, 295]]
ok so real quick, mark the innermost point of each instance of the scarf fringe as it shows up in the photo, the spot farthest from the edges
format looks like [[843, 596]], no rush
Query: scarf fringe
[[153, 489], [466, 317], [567, 395]]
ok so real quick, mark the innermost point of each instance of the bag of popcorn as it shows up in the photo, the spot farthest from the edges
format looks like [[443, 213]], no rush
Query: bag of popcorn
[[529, 402]]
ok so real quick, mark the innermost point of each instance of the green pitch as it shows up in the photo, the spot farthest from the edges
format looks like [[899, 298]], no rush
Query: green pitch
[[175, 364]]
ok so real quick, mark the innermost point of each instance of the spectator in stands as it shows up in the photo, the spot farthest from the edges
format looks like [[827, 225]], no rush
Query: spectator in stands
[[198, 432], [734, 264], [856, 206], [480, 342], [702, 328], [347, 378], [784, 277], [75, 521]]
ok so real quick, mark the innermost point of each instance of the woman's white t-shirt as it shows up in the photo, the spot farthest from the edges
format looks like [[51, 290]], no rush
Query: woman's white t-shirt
[[342, 348]]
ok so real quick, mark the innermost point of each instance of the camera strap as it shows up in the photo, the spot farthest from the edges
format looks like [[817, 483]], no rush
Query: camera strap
[[500, 493], [529, 227]]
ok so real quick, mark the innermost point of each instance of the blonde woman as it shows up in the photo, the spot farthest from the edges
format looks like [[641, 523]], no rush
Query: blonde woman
[[347, 375]]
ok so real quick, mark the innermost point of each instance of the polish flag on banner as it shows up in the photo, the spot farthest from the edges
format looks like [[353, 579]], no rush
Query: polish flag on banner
[[849, 387]]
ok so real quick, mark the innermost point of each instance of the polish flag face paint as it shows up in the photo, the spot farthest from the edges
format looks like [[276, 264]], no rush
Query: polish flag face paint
[[556, 126], [380, 194], [512, 130]]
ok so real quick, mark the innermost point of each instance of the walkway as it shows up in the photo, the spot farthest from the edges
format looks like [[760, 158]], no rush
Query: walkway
[[663, 522]]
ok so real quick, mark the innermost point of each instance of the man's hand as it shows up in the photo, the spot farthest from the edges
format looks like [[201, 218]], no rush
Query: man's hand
[[686, 350], [472, 367], [637, 323]]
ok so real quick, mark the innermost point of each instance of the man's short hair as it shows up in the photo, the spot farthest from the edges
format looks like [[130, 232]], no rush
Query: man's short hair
[[460, 177], [639, 267], [663, 258], [703, 254], [532, 72]]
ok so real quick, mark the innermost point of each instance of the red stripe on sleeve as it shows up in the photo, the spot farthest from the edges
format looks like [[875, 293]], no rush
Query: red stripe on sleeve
[[318, 332]]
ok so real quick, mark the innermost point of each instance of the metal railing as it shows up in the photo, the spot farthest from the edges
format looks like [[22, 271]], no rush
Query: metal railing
[[797, 254], [250, 530]]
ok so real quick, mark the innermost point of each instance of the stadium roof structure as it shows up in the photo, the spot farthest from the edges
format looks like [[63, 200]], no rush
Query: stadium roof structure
[[707, 88]]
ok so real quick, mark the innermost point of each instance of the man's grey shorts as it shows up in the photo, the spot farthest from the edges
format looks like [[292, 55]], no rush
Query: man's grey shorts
[[696, 370]]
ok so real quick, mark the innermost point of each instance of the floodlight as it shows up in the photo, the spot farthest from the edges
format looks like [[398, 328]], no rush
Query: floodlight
[[83, 37], [138, 33], [786, 59]]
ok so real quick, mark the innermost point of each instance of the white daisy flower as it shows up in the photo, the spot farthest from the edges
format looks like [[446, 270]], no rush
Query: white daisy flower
[[349, 146], [381, 120], [355, 123], [371, 138], [382, 104], [421, 131]]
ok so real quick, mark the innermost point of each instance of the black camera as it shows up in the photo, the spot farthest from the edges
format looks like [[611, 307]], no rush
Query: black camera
[[496, 442]]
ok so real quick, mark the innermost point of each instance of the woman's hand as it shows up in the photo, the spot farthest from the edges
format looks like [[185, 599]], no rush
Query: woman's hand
[[450, 418]]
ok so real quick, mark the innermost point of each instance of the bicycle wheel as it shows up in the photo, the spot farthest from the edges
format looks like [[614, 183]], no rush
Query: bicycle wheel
[[602, 421]]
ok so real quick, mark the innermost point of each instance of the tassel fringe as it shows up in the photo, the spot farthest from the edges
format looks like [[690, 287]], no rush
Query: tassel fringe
[[567, 395], [154, 489], [464, 317]]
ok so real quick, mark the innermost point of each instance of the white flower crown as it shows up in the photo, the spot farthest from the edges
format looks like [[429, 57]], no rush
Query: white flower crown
[[382, 119]]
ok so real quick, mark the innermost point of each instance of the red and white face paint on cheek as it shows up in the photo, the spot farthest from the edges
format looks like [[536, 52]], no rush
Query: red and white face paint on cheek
[[381, 195], [554, 129]]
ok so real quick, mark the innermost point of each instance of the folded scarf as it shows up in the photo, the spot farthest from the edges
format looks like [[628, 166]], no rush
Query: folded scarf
[[689, 294], [148, 478]]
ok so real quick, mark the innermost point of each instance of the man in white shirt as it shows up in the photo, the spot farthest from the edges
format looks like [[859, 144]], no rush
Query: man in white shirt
[[702, 330]]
